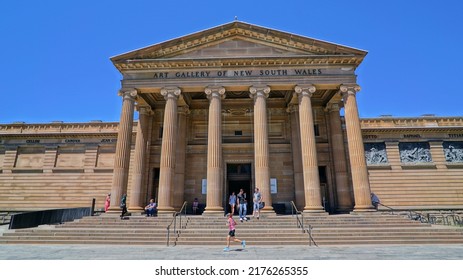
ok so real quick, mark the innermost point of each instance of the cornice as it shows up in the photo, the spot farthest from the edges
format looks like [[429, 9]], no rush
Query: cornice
[[60, 129], [294, 61]]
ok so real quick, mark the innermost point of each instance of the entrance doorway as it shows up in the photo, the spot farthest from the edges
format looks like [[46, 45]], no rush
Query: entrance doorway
[[238, 177]]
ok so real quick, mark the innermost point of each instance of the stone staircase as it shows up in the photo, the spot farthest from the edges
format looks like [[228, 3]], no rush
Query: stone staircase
[[350, 229]]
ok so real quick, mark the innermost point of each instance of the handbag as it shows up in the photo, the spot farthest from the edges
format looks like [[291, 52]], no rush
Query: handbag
[[261, 205]]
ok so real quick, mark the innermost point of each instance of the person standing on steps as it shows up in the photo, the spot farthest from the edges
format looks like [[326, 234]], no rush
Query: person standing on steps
[[123, 205], [231, 233], [232, 202], [242, 205], [257, 200]]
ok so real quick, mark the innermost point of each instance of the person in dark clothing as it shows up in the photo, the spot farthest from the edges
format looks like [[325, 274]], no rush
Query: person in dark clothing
[[123, 205], [242, 205]]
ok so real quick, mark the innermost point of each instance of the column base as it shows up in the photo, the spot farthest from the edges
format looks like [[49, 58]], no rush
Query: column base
[[214, 211], [364, 208], [344, 210], [313, 209], [136, 209], [166, 210]]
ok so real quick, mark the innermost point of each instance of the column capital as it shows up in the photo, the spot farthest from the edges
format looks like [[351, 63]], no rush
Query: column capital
[[351, 89], [184, 110], [333, 106], [256, 91], [215, 91], [144, 110], [128, 93], [170, 92], [305, 90], [292, 108]]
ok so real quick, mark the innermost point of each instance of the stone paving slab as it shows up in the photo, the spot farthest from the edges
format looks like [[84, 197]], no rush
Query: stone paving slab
[[118, 252]]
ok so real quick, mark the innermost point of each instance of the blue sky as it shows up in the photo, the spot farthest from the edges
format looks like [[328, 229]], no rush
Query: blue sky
[[55, 54]]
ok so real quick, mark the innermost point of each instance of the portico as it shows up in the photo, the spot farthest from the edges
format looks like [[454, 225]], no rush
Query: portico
[[239, 93]]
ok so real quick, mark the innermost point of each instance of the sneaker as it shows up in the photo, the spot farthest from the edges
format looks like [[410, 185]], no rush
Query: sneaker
[[241, 219], [243, 243], [245, 218], [226, 249]]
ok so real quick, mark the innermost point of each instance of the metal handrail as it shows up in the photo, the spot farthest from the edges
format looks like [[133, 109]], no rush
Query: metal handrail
[[300, 223], [412, 215], [174, 221]]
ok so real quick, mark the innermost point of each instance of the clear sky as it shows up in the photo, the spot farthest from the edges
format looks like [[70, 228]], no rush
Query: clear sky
[[55, 54]]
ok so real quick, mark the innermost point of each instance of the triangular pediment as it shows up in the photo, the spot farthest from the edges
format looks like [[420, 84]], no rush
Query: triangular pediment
[[237, 40], [239, 47]]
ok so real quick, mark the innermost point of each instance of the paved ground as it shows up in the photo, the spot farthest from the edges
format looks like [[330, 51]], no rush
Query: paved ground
[[116, 252]]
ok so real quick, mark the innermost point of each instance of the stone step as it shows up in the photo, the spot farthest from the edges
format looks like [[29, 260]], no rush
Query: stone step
[[212, 230]]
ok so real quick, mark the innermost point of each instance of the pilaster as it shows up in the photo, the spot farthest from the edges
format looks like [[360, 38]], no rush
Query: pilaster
[[141, 146], [343, 191], [179, 190], [293, 110]]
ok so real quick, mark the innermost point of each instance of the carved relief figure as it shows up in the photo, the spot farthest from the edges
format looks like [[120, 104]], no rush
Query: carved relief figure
[[453, 151], [375, 153], [415, 152]]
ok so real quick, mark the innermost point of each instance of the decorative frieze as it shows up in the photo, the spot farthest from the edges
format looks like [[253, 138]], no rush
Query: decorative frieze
[[415, 152], [453, 151], [375, 153]]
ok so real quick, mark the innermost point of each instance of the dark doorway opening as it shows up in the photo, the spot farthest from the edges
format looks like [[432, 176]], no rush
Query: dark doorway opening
[[153, 192], [238, 177]]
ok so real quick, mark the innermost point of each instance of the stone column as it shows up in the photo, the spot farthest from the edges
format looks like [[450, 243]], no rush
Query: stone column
[[358, 163], [293, 110], [168, 147], [214, 151], [179, 189], [313, 201], [141, 144], [261, 146], [122, 156], [343, 191]]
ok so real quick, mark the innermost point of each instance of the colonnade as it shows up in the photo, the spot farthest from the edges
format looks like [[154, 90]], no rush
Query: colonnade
[[215, 94]]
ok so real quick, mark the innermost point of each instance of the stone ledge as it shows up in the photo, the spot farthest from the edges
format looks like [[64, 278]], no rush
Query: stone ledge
[[419, 166]]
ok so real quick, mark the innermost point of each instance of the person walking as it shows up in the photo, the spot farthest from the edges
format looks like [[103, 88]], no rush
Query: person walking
[[123, 205], [107, 202], [375, 200], [231, 233], [242, 205]]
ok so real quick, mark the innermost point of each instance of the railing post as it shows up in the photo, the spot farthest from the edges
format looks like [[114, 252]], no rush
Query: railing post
[[92, 211]]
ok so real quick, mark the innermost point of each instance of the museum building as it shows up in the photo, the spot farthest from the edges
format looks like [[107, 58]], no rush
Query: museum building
[[237, 106]]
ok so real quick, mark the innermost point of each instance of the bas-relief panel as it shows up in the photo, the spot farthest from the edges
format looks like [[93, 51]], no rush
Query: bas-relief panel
[[453, 151], [375, 153], [30, 157], [415, 152]]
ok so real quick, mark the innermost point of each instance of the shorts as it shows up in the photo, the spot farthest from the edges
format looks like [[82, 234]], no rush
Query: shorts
[[231, 233]]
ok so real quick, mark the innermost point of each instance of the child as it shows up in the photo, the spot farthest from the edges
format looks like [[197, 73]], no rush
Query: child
[[231, 233]]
